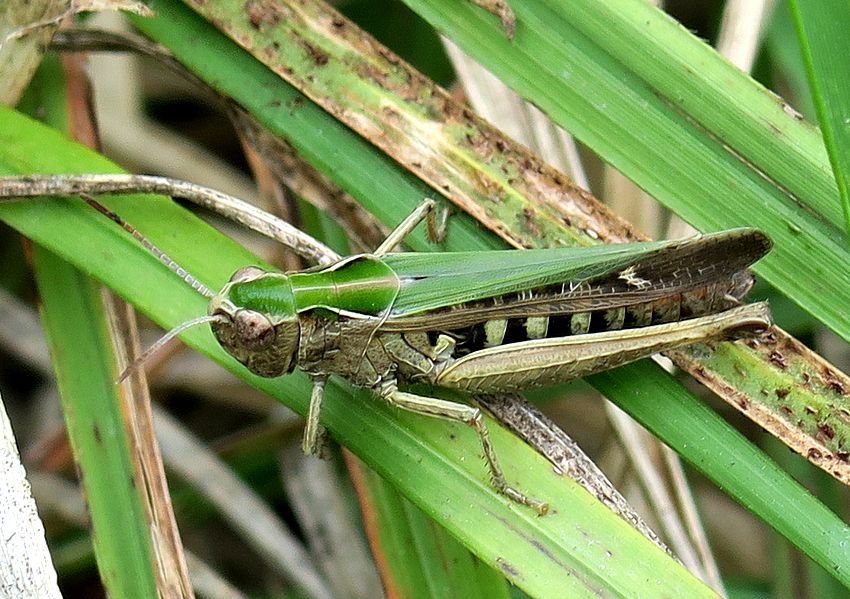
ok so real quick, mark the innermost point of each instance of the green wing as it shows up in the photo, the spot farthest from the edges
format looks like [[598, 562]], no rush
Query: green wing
[[433, 281]]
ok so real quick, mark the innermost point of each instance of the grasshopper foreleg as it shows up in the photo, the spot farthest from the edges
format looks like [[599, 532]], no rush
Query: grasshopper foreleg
[[314, 434], [431, 406], [427, 208]]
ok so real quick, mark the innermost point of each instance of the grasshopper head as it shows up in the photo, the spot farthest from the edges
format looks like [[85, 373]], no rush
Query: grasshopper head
[[258, 323]]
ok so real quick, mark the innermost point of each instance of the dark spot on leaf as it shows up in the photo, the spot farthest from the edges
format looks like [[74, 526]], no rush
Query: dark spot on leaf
[[778, 359], [826, 430], [388, 56], [317, 55], [261, 14], [508, 568], [833, 382]]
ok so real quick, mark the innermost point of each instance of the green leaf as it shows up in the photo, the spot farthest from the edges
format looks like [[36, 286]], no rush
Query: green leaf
[[418, 557], [822, 30], [72, 313], [74, 319]]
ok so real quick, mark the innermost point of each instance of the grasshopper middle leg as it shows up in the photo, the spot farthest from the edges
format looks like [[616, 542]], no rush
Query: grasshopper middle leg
[[431, 406], [427, 208], [314, 433]]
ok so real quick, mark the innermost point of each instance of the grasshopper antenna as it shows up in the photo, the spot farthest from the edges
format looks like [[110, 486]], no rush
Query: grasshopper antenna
[[172, 266], [160, 255], [162, 341]]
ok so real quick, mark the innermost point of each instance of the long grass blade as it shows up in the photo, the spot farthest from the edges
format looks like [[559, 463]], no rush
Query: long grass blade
[[822, 32]]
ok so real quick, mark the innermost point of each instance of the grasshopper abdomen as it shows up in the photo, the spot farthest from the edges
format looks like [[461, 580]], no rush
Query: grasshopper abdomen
[[556, 314]]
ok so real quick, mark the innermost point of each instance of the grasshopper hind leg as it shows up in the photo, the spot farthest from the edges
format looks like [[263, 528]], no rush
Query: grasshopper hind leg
[[449, 410]]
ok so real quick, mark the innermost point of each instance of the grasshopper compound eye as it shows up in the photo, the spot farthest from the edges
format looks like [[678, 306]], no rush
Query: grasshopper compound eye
[[253, 330], [267, 349]]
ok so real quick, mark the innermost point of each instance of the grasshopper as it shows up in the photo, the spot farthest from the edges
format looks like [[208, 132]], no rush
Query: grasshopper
[[485, 322], [480, 322]]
